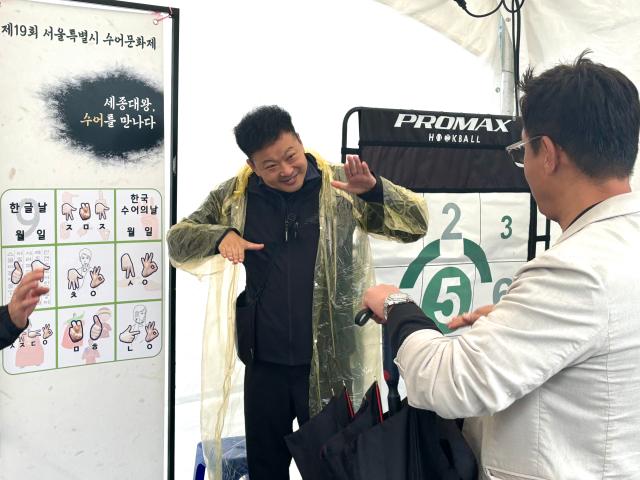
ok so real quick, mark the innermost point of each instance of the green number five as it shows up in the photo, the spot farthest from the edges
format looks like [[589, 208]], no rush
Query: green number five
[[507, 219]]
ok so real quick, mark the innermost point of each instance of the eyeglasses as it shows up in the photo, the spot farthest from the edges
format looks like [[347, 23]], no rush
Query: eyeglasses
[[516, 150]]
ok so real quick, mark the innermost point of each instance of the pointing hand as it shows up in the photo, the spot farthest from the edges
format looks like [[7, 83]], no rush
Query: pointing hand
[[128, 335], [233, 246]]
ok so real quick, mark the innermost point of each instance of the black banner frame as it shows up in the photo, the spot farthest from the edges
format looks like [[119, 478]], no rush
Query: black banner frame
[[534, 237]]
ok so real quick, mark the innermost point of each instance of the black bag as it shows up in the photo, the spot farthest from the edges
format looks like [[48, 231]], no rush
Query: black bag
[[246, 310], [246, 327]]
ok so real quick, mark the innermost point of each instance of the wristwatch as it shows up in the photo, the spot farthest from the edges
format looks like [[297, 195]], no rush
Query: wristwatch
[[394, 299]]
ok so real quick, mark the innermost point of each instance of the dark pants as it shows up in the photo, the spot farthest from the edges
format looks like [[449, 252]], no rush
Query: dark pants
[[273, 396]]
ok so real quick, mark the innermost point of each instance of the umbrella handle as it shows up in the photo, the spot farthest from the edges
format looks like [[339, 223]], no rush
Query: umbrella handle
[[391, 373], [363, 316]]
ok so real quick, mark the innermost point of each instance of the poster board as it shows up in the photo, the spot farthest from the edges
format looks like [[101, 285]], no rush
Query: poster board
[[483, 223], [87, 148]]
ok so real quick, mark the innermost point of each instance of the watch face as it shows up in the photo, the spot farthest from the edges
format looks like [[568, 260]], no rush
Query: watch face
[[398, 297], [395, 299]]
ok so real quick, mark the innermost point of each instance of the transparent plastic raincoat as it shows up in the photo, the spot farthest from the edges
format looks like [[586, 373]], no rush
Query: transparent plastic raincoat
[[343, 354]]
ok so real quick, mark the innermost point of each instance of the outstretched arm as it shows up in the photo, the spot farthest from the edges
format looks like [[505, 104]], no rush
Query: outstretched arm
[[15, 316]]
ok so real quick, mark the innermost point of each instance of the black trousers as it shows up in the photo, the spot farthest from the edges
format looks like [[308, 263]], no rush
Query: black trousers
[[273, 396]]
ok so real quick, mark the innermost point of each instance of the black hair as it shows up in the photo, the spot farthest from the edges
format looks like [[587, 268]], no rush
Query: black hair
[[590, 110], [261, 127]]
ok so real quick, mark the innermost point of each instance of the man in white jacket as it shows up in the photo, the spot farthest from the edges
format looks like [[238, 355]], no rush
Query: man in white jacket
[[549, 377]]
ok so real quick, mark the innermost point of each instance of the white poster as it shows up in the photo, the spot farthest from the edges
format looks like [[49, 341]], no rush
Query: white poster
[[475, 243], [83, 195]]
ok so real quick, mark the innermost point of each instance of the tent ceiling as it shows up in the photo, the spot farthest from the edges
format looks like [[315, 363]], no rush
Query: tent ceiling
[[552, 31]]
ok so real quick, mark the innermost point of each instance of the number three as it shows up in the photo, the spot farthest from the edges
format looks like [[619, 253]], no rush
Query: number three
[[507, 219]]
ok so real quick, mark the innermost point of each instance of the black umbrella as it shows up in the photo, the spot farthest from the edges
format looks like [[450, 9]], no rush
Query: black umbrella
[[408, 444], [338, 450], [306, 443], [405, 444], [412, 444]]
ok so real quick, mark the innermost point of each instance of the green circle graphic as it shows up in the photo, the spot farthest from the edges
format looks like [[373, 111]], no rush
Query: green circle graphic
[[448, 290]]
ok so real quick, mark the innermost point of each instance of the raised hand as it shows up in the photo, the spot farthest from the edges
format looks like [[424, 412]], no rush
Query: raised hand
[[232, 247], [25, 297], [75, 331], [359, 179], [85, 211], [128, 335], [469, 318], [16, 275], [97, 278], [67, 211], [101, 211], [96, 328], [73, 276], [152, 332], [149, 267], [126, 265], [46, 331]]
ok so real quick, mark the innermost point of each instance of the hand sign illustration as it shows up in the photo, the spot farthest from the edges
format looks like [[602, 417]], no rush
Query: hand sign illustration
[[101, 210], [96, 328], [37, 264], [73, 276], [97, 278], [126, 265], [16, 275], [33, 333], [152, 332], [85, 211], [67, 211], [75, 331], [46, 331], [149, 267], [128, 336]]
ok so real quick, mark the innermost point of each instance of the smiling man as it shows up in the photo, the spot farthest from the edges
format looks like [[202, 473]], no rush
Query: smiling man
[[299, 226]]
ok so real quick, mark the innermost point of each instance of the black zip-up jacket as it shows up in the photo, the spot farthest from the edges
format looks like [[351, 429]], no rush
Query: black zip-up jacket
[[8, 331], [288, 225]]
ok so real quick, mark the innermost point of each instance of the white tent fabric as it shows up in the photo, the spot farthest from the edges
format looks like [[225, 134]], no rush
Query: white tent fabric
[[551, 31]]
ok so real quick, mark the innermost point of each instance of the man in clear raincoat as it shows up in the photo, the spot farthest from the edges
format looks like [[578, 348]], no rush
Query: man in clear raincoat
[[300, 227]]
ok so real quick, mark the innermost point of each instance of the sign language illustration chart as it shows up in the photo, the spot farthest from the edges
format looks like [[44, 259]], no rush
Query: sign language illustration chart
[[101, 253]]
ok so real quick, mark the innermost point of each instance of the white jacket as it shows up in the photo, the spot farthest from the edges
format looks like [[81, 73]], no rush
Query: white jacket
[[553, 373]]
